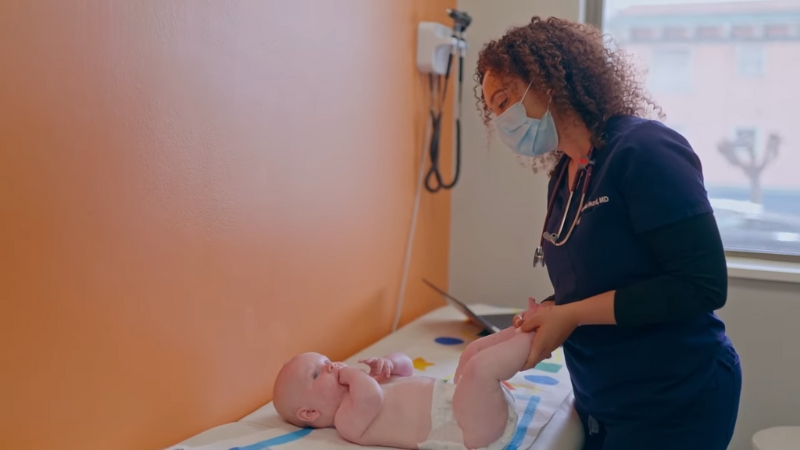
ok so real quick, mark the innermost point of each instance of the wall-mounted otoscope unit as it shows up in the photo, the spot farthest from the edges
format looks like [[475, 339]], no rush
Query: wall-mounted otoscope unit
[[437, 46]]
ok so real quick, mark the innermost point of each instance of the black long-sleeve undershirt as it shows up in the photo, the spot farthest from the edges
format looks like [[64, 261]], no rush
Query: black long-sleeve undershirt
[[694, 275]]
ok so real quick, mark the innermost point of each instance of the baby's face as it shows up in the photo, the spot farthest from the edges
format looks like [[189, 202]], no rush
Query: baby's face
[[314, 382]]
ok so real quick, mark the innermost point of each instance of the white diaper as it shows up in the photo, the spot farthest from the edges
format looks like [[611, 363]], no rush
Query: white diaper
[[445, 432]]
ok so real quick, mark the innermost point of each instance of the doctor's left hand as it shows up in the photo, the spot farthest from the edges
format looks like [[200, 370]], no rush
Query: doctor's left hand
[[552, 325]]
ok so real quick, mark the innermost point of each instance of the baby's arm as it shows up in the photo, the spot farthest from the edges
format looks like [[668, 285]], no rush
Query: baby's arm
[[360, 407], [393, 364], [403, 366]]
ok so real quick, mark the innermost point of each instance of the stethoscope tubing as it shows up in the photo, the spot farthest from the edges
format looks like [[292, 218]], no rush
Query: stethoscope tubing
[[584, 172]]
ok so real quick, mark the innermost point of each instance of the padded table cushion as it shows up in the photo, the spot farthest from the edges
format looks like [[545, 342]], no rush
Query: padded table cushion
[[435, 341]]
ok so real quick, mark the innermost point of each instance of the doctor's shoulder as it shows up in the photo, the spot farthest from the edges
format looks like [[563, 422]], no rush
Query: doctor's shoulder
[[640, 144]]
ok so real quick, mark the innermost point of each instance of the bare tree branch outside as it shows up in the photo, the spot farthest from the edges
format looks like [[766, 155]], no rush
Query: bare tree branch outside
[[725, 74], [742, 153]]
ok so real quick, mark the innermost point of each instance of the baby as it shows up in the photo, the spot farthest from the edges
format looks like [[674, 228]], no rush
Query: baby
[[390, 407]]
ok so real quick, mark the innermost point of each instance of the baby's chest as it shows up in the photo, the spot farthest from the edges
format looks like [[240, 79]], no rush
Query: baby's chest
[[404, 419]]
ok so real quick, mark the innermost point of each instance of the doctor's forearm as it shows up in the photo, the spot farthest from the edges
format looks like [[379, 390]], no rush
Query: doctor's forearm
[[694, 278], [597, 310]]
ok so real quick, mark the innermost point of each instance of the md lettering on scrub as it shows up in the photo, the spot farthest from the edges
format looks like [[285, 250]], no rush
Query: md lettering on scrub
[[595, 202]]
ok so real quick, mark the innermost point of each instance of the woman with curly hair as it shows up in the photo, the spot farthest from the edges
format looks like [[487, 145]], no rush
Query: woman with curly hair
[[630, 242]]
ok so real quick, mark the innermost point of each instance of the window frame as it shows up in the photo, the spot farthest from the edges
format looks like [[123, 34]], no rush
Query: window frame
[[773, 262]]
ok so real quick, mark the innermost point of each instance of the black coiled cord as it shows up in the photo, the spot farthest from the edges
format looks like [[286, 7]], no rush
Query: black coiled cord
[[436, 121]]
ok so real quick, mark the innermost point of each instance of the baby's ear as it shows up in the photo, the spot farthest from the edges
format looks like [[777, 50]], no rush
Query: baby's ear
[[307, 415]]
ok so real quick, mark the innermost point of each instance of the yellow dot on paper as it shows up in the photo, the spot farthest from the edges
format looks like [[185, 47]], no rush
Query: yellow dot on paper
[[421, 364], [470, 334]]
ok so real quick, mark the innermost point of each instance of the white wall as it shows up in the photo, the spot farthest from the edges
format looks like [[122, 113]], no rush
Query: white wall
[[498, 205], [497, 213], [761, 318]]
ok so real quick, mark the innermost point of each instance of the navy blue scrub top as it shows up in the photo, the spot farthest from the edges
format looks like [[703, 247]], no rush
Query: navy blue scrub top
[[647, 176]]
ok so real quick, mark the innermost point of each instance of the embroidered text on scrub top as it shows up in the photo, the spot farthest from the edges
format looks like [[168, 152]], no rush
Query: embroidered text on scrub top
[[595, 202]]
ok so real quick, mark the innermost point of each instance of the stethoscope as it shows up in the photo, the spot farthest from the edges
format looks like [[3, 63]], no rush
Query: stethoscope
[[585, 166]]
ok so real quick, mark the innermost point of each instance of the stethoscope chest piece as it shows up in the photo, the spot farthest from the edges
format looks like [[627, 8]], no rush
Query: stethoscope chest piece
[[585, 171], [538, 257]]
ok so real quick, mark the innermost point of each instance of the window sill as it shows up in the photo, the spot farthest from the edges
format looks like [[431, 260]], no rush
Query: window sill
[[763, 270]]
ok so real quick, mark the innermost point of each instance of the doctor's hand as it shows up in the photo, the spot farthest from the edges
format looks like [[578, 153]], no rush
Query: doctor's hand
[[533, 308], [553, 325]]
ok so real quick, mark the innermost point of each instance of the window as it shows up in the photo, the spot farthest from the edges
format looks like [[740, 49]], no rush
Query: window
[[681, 129], [748, 147], [709, 32], [675, 33], [778, 30], [642, 34], [741, 111], [743, 31], [670, 70], [746, 137], [750, 60]]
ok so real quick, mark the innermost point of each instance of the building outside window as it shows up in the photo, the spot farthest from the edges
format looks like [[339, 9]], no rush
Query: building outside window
[[728, 70], [670, 70], [750, 60]]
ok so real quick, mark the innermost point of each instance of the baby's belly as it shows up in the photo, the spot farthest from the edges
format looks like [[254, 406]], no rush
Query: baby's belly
[[405, 420]]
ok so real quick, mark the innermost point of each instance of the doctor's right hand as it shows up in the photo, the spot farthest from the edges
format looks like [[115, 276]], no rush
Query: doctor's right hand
[[552, 326], [533, 308]]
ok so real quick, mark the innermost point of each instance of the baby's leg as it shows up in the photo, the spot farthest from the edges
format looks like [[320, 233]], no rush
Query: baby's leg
[[479, 403], [494, 339], [478, 346]]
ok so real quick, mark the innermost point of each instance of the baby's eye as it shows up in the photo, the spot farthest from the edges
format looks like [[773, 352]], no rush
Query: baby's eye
[[316, 374], [327, 361]]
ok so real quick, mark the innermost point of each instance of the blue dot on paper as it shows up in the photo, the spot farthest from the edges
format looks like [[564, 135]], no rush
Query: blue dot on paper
[[548, 367], [448, 341], [541, 379]]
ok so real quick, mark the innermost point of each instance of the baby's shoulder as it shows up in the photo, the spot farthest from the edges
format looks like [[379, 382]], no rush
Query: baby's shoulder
[[346, 425]]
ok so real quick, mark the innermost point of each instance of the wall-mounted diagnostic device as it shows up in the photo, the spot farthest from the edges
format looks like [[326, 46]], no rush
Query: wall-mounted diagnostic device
[[437, 45]]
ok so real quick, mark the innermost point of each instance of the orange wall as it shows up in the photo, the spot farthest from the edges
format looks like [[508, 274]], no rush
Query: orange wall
[[192, 192]]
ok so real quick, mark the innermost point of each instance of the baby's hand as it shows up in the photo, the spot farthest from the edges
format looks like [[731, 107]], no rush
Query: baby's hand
[[379, 367], [347, 374]]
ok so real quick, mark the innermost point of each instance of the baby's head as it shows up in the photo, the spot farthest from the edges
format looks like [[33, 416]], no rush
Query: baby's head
[[307, 391]]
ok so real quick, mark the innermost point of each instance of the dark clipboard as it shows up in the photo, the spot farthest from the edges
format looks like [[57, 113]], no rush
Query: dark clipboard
[[491, 323]]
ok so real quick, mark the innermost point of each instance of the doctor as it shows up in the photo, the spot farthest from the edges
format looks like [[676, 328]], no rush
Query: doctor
[[630, 243]]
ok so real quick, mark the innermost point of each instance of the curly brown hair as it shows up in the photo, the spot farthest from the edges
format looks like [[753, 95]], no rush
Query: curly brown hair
[[585, 77]]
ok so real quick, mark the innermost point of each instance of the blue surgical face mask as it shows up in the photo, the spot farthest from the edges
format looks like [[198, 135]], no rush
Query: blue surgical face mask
[[524, 135]]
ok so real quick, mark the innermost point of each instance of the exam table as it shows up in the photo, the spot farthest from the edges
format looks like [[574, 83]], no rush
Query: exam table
[[543, 395]]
